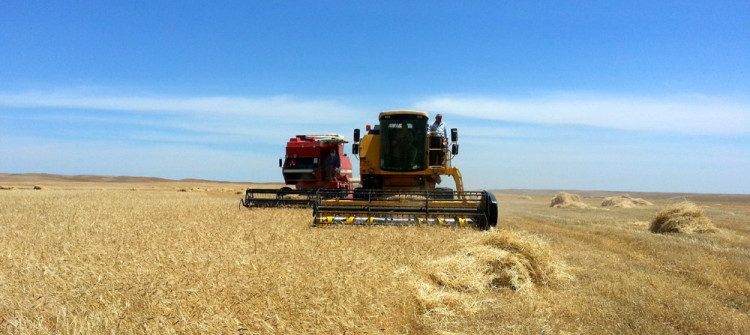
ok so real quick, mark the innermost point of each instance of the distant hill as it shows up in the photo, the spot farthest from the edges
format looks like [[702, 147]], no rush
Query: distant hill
[[45, 177]]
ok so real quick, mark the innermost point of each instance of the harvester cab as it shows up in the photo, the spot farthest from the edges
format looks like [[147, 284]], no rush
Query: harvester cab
[[402, 154], [401, 164]]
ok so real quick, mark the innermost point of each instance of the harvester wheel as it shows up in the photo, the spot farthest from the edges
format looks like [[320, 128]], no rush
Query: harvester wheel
[[491, 210]]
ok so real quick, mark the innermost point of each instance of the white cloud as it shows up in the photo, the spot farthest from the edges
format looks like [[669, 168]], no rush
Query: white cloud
[[257, 120], [687, 114], [286, 108], [693, 115]]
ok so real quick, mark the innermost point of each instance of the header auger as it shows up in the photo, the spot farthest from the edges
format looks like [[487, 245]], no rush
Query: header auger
[[401, 164]]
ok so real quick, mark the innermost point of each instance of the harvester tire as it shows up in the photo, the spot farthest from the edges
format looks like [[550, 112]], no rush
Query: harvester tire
[[491, 210]]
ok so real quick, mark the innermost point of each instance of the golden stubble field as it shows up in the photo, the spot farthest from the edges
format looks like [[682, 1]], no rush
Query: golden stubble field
[[83, 257]]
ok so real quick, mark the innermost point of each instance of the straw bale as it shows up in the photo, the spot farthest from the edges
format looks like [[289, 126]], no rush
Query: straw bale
[[498, 260], [533, 261], [6, 187], [684, 217], [458, 283], [624, 201], [567, 200]]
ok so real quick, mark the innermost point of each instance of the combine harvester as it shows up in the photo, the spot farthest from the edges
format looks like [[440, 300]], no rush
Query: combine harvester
[[399, 170], [304, 166]]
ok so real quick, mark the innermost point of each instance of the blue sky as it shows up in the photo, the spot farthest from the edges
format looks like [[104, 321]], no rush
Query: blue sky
[[595, 95]]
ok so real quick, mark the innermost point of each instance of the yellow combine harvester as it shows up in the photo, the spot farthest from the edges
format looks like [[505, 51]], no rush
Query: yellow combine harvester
[[401, 163]]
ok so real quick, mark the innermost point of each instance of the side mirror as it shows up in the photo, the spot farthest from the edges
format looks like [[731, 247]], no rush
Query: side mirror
[[454, 149], [454, 134], [356, 135], [355, 149], [280, 164]]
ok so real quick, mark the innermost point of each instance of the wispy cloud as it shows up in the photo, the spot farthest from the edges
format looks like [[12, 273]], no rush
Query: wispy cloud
[[693, 115], [273, 108], [684, 114], [259, 120]]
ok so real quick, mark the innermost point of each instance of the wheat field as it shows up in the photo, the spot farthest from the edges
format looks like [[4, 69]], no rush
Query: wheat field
[[133, 257]]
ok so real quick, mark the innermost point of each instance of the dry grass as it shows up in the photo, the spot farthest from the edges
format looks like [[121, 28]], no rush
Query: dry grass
[[684, 217], [624, 201], [567, 200], [82, 258], [170, 262]]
